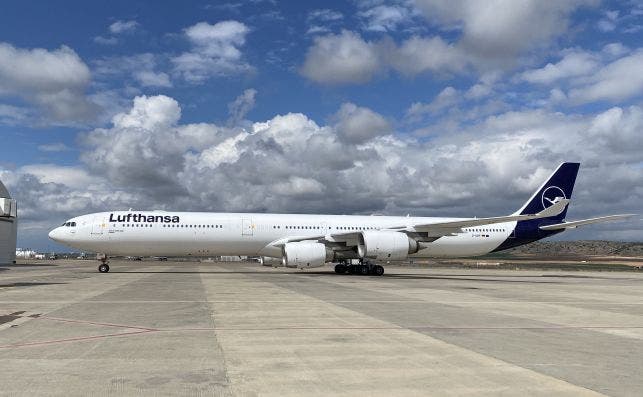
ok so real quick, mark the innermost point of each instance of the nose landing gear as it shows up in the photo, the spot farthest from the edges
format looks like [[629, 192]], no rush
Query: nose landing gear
[[103, 267]]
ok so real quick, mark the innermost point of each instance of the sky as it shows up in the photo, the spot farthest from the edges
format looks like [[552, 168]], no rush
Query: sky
[[421, 107]]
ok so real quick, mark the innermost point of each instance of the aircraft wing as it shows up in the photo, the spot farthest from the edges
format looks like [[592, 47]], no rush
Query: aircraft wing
[[575, 224], [327, 238]]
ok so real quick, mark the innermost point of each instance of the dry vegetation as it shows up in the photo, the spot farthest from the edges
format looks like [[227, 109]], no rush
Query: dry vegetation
[[579, 248]]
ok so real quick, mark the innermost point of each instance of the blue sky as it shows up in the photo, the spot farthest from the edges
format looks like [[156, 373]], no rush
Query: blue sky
[[425, 107]]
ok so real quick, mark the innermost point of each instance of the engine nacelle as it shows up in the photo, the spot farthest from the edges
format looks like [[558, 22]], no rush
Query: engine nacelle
[[386, 245], [305, 254], [269, 261]]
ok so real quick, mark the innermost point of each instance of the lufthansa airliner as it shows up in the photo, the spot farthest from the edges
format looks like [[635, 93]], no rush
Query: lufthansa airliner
[[356, 244]]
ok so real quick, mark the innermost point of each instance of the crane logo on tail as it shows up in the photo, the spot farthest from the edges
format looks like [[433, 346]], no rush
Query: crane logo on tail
[[551, 196]]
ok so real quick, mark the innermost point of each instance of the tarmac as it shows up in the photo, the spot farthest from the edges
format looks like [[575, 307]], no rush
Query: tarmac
[[189, 328]]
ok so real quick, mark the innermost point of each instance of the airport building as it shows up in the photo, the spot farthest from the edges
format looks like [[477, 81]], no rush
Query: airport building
[[25, 253], [8, 227]]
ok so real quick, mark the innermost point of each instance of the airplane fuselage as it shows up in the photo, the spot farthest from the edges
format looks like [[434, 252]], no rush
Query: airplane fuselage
[[202, 234]]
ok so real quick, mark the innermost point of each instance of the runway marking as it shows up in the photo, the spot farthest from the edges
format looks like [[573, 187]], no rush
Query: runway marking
[[15, 319]]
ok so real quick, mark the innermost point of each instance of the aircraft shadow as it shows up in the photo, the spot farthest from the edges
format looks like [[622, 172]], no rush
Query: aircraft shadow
[[19, 265], [332, 274], [26, 284], [460, 278]]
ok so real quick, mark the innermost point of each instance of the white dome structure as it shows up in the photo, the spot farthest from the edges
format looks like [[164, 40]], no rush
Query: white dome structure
[[8, 227]]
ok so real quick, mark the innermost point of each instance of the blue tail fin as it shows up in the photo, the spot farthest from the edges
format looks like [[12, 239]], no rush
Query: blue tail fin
[[559, 184]]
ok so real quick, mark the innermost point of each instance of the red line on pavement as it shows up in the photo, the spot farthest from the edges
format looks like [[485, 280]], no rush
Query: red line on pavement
[[80, 338], [65, 320]]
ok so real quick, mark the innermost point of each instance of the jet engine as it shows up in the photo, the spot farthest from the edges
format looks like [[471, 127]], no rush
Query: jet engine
[[305, 254], [269, 261], [386, 245]]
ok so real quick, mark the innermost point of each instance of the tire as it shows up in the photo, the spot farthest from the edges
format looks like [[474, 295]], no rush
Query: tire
[[378, 270], [103, 268], [351, 269], [363, 270], [340, 269]]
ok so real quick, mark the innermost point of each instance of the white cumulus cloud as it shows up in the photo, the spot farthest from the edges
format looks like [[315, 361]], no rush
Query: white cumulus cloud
[[54, 81], [357, 124], [216, 51], [616, 81], [574, 63], [384, 18], [141, 68], [341, 58], [120, 27], [501, 29], [241, 106]]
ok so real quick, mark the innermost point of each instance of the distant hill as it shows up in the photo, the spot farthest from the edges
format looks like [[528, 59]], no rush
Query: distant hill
[[579, 248]]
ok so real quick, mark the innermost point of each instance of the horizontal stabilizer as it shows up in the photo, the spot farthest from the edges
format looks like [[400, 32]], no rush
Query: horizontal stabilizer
[[555, 209], [575, 224]]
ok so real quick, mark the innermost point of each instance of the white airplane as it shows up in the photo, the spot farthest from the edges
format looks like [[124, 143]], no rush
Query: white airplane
[[306, 241]]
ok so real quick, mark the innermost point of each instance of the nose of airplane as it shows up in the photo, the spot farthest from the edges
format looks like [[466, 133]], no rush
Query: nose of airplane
[[55, 234]]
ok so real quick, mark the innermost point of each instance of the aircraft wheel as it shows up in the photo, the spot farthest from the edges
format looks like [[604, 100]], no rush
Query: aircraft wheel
[[350, 269], [340, 269], [363, 270], [378, 270], [103, 268]]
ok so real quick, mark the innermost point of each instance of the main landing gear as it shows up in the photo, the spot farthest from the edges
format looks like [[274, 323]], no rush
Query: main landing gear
[[363, 269], [103, 267]]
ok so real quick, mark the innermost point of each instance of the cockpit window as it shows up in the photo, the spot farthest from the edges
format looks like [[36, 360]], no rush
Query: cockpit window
[[69, 224]]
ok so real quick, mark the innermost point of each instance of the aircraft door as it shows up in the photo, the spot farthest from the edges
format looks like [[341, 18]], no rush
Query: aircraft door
[[98, 225], [247, 227]]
